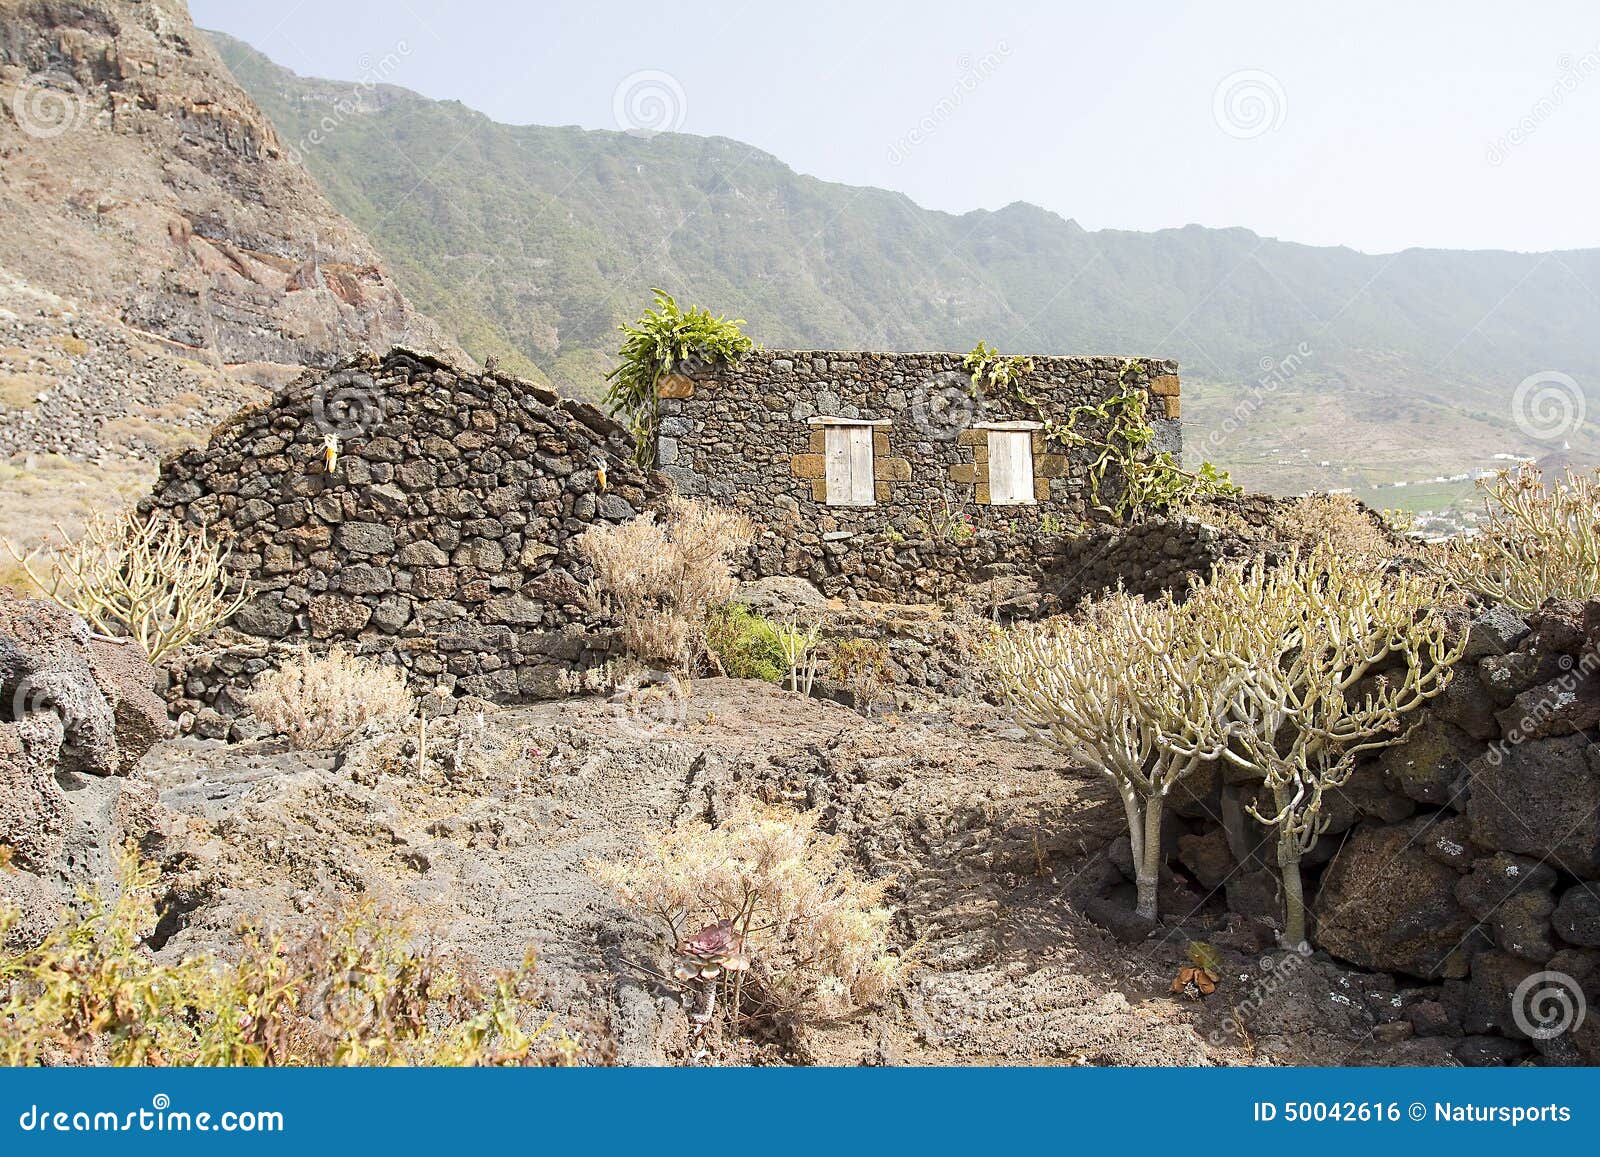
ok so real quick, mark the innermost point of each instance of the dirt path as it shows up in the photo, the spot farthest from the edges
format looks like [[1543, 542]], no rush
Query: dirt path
[[993, 848]]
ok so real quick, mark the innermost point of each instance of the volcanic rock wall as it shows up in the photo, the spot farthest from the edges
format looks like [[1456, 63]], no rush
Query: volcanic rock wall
[[1465, 859], [755, 435], [440, 539]]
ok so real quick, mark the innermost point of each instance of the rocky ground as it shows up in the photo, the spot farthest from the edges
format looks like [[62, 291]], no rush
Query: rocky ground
[[993, 847]]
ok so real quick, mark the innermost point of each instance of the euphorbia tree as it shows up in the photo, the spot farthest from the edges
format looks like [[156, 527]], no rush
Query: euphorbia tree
[[1133, 690], [1328, 657]]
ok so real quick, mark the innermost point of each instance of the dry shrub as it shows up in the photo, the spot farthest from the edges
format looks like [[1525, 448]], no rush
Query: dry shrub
[[320, 701], [813, 934], [362, 988], [664, 577], [862, 665], [1537, 542], [1340, 521], [156, 581]]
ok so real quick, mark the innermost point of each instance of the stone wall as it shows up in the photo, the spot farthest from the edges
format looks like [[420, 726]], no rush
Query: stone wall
[[746, 434], [440, 539], [1465, 859]]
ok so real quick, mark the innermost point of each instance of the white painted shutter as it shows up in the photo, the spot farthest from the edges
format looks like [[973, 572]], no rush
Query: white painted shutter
[[1010, 468], [849, 465]]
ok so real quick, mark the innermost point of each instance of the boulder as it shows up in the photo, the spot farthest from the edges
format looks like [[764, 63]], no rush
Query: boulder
[[1495, 879], [1207, 857], [1386, 904], [1560, 707], [1542, 799], [1428, 764], [130, 684], [1577, 916], [1465, 703], [103, 692]]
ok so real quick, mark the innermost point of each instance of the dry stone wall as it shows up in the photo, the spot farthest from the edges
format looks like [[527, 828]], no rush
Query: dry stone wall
[[755, 435], [1465, 859], [440, 539]]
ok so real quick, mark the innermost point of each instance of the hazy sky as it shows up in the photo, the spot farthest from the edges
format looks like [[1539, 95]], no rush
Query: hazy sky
[[1374, 125]]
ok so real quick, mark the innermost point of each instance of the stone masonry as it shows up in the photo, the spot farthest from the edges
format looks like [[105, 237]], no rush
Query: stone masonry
[[754, 435], [440, 539]]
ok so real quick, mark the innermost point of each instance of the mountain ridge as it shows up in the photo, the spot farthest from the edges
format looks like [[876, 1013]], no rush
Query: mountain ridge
[[533, 243]]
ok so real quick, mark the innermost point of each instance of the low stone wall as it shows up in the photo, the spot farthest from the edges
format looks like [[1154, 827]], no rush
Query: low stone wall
[[746, 435], [439, 540]]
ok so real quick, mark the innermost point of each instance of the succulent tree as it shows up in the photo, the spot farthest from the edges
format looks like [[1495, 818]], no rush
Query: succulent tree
[[1536, 541], [1328, 658], [1133, 690]]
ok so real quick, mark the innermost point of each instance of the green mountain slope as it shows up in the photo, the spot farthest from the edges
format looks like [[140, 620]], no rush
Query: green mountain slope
[[532, 243]]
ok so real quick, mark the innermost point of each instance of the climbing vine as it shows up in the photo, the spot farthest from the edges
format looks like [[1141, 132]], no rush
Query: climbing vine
[[1152, 482], [665, 337]]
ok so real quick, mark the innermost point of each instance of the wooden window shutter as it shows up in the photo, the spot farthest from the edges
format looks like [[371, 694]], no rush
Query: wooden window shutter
[[1010, 468], [849, 465]]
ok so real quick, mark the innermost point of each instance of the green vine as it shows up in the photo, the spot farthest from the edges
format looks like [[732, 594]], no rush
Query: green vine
[[1151, 482], [663, 338]]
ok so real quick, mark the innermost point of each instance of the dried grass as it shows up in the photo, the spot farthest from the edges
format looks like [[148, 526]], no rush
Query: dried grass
[[662, 578], [815, 933], [320, 701]]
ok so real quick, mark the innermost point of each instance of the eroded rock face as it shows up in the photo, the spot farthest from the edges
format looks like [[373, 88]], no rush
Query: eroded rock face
[[76, 715], [143, 180], [102, 692], [1386, 904]]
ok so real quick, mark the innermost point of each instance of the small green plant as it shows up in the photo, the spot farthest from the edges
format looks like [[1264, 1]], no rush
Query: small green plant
[[745, 644], [862, 665], [800, 654], [992, 371], [661, 339]]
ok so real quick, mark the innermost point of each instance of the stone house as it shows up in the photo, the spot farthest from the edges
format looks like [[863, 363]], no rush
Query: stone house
[[841, 459]]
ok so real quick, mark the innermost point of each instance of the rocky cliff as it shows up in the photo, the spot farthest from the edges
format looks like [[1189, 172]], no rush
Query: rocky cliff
[[140, 179]]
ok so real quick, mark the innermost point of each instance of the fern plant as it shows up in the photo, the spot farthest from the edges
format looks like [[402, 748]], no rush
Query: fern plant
[[663, 338]]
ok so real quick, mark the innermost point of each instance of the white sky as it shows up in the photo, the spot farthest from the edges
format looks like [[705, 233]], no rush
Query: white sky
[[1387, 125]]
